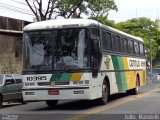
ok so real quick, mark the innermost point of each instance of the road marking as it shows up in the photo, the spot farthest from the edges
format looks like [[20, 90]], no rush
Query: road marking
[[110, 105]]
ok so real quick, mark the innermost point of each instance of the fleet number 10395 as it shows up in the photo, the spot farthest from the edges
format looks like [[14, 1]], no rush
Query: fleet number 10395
[[36, 78]]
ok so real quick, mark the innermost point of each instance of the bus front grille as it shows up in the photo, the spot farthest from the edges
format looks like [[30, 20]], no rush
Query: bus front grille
[[55, 83]]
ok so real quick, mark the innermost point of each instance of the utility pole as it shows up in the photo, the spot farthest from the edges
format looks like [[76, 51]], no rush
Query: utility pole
[[151, 56]]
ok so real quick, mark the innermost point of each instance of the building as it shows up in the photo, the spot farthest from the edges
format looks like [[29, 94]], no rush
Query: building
[[11, 45]]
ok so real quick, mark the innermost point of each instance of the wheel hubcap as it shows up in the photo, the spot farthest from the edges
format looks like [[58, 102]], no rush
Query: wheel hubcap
[[105, 92]]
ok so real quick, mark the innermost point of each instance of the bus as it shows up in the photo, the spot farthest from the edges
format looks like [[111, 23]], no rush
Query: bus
[[80, 59]]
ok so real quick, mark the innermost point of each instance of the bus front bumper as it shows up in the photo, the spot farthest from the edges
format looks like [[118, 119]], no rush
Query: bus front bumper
[[57, 93]]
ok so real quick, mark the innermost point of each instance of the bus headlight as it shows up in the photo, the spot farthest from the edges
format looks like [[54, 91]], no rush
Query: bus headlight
[[86, 82], [29, 84]]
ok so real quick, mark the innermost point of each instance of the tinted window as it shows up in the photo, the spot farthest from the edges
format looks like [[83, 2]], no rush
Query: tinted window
[[95, 32], [106, 39], [124, 45], [141, 50], [9, 79], [136, 48], [118, 48], [113, 42], [130, 47], [18, 78]]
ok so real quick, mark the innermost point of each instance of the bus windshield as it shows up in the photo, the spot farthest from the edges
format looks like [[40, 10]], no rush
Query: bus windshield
[[59, 49]]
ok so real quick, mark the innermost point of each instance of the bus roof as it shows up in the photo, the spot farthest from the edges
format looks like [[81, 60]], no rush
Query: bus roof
[[60, 23], [66, 23]]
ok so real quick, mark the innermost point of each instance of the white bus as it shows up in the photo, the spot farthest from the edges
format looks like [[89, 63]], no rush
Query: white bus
[[80, 59]]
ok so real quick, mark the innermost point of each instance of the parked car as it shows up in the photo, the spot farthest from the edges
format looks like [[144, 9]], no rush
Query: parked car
[[10, 88], [158, 76]]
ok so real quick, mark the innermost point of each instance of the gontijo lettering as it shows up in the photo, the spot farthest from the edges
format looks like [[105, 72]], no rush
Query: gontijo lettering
[[134, 63], [137, 63]]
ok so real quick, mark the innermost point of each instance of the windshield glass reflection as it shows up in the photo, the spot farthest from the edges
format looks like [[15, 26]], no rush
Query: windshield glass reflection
[[56, 50]]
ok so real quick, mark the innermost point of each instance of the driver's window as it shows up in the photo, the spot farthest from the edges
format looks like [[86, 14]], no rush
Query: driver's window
[[95, 43], [95, 33]]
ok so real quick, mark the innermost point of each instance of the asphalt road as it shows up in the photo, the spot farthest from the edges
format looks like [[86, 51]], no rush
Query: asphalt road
[[121, 106]]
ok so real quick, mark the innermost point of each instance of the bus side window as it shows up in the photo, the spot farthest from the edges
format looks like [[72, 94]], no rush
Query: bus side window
[[118, 45], [113, 42], [142, 50], [95, 47], [106, 40], [130, 47], [136, 48], [124, 45]]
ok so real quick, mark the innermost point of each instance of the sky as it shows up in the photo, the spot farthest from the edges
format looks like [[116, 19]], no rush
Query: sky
[[127, 9]]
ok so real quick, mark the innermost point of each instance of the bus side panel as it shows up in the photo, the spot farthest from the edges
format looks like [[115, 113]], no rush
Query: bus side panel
[[130, 76], [120, 73], [142, 77], [106, 66], [134, 67]]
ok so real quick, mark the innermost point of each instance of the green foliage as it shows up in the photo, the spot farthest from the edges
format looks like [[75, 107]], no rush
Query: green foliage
[[93, 8], [70, 8], [101, 7]]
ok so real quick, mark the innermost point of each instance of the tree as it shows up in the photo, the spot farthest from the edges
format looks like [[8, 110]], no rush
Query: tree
[[36, 7], [101, 7], [70, 8]]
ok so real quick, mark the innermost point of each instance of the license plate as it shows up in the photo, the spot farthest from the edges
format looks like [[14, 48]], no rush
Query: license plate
[[53, 92]]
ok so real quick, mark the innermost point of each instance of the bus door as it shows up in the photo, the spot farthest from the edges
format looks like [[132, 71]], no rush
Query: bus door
[[95, 50]]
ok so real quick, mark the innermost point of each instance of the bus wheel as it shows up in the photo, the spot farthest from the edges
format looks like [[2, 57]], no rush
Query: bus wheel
[[135, 90], [23, 102], [51, 103], [105, 93], [1, 101]]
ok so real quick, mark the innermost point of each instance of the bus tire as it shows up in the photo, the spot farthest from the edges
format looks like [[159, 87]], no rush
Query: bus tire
[[1, 101], [23, 102], [51, 103], [105, 94], [135, 90]]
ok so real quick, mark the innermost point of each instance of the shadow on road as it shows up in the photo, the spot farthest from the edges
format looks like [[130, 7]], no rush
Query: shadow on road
[[80, 104], [90, 104]]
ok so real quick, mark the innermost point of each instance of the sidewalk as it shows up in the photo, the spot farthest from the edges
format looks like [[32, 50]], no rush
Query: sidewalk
[[150, 85]]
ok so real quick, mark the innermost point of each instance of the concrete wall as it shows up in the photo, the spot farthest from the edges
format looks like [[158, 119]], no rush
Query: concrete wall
[[11, 45], [9, 61]]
